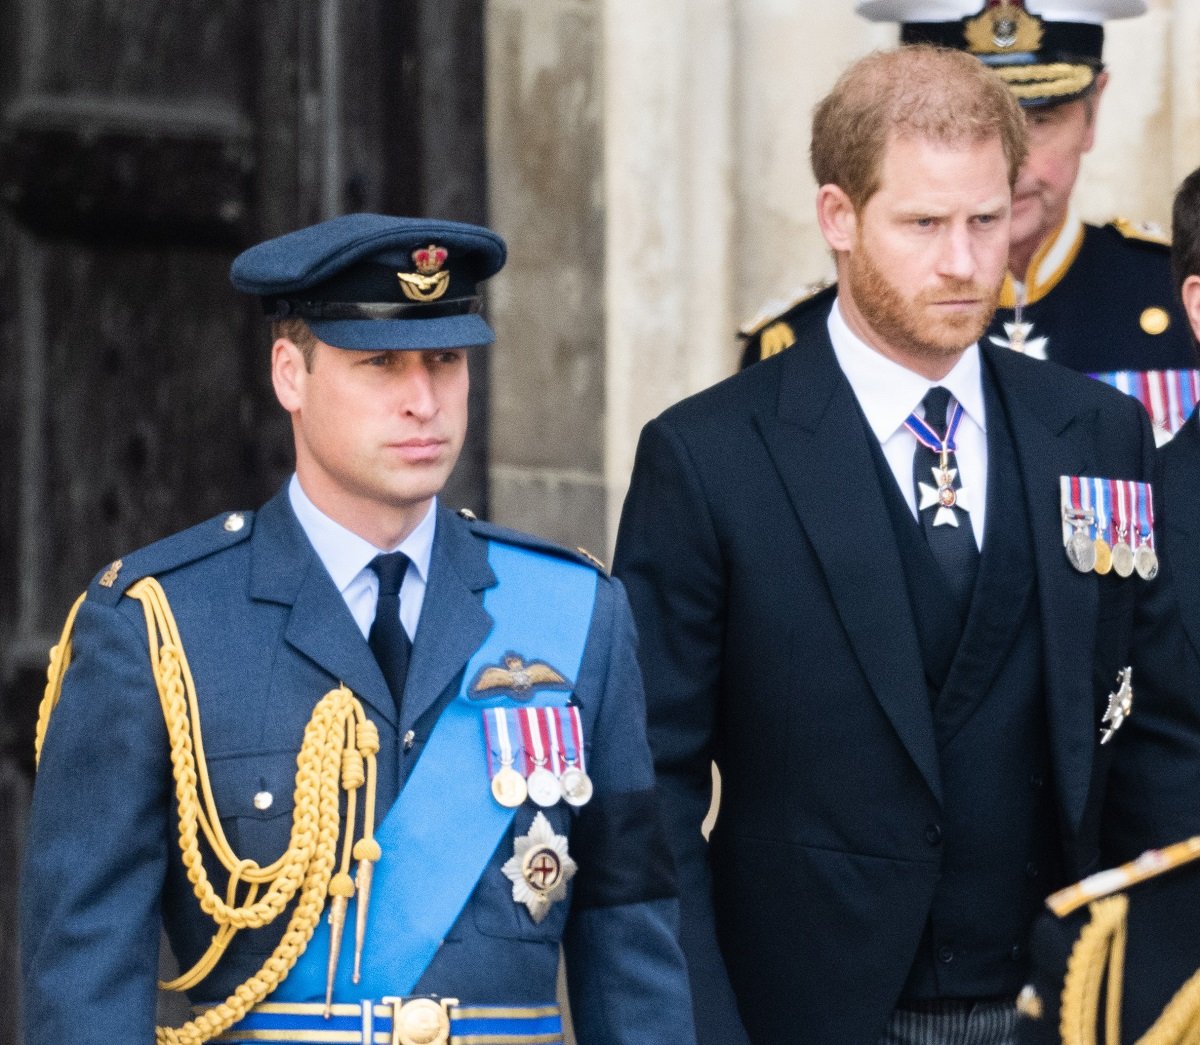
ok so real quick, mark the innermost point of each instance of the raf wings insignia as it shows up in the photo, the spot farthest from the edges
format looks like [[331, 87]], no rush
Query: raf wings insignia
[[516, 679]]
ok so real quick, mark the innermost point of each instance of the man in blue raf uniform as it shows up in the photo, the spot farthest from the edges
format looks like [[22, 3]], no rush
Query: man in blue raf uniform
[[1127, 941], [868, 580], [1095, 298], [369, 761]]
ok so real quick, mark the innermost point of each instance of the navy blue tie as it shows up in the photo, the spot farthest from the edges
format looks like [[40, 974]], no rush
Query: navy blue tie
[[954, 547], [388, 639]]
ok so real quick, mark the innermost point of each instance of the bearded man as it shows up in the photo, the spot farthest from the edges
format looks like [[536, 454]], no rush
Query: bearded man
[[874, 582]]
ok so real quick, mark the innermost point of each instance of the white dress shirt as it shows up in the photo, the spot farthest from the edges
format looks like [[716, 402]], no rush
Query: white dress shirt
[[346, 556], [888, 393]]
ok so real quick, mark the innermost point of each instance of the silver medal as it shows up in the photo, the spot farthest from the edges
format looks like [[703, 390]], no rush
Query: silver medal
[[543, 787], [576, 786], [1145, 561], [1081, 551], [1122, 559]]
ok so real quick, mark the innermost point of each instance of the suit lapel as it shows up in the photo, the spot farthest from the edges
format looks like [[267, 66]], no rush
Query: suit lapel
[[1052, 440], [818, 442], [453, 620], [285, 569], [1181, 521]]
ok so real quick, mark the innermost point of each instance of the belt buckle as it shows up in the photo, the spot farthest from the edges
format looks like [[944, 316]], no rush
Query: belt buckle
[[420, 1021]]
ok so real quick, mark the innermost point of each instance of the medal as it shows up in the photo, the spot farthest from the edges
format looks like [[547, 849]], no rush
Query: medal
[[539, 868], [543, 784], [943, 494], [1077, 520], [1100, 506], [1122, 553], [1145, 559], [575, 783], [508, 785]]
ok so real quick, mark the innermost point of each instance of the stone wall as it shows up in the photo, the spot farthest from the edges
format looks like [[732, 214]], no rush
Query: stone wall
[[648, 165]]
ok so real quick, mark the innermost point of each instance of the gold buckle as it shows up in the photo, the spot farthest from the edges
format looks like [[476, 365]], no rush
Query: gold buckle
[[420, 1021]]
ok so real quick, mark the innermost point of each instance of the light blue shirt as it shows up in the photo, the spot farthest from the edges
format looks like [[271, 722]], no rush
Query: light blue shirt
[[346, 556], [888, 393]]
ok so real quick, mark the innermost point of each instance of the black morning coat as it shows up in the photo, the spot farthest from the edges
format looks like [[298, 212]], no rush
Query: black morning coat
[[779, 639]]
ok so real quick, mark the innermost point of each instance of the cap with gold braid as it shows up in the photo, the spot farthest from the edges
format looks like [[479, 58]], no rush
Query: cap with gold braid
[[1048, 51]]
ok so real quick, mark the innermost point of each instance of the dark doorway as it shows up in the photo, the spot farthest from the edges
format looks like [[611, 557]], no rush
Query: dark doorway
[[142, 145]]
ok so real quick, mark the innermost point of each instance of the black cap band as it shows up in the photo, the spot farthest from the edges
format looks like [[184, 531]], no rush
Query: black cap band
[[284, 308]]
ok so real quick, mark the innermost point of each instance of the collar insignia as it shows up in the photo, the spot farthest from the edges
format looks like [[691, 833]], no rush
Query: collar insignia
[[430, 280], [516, 679], [1003, 28], [539, 868], [110, 575]]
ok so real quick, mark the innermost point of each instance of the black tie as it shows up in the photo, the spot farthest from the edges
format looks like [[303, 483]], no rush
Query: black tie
[[953, 546], [388, 639]]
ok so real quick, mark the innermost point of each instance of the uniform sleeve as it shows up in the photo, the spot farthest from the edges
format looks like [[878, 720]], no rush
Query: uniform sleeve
[[1153, 796], [625, 972], [97, 846], [670, 562]]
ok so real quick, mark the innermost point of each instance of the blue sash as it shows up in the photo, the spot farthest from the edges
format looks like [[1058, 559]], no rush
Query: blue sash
[[446, 818]]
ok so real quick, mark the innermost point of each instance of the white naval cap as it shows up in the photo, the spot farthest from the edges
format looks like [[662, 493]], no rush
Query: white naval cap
[[1047, 51]]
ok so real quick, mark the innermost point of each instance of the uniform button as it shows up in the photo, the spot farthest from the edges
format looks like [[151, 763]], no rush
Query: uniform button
[[1032, 872], [234, 521], [1037, 781], [263, 800], [1017, 952], [933, 834], [409, 737], [945, 954]]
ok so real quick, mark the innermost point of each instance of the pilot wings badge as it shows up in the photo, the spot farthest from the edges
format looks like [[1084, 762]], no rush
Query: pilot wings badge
[[516, 680]]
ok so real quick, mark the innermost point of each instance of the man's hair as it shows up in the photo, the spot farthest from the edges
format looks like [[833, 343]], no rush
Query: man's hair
[[1185, 230], [300, 334], [918, 91]]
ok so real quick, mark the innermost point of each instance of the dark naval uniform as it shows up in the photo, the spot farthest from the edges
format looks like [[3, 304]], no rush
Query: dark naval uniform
[[267, 634], [1099, 299], [1116, 957]]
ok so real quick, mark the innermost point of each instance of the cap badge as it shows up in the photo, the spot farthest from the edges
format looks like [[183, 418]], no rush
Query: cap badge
[[1003, 28], [430, 280], [516, 679], [539, 868]]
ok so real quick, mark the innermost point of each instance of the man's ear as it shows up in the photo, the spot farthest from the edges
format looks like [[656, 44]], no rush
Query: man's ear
[[1190, 292], [837, 218], [1093, 109], [288, 374]]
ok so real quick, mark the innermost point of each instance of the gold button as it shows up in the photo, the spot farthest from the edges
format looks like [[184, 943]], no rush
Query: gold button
[[264, 800], [234, 521], [1155, 320]]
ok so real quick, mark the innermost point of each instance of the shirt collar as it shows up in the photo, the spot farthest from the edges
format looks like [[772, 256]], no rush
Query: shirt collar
[[346, 554], [889, 392]]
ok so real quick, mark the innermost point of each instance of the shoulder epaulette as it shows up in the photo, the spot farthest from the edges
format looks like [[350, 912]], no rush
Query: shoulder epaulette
[[527, 540], [774, 311], [180, 549], [1146, 231], [1151, 864]]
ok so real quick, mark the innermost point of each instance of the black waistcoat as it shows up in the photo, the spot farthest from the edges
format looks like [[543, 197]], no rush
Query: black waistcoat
[[998, 826]]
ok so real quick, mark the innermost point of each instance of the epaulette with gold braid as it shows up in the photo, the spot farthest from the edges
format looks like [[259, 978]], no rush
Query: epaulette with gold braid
[[1151, 864], [1146, 231]]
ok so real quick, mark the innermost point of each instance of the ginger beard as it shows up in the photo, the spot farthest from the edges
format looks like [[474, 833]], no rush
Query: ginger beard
[[918, 325]]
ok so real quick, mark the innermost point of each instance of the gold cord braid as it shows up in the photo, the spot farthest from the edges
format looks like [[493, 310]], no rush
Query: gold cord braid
[[337, 740], [1101, 946], [60, 657]]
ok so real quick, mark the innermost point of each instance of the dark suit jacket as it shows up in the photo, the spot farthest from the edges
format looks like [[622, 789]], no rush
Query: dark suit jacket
[[777, 639], [267, 634]]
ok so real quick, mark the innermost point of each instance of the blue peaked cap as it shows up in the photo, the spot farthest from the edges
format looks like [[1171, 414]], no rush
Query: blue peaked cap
[[372, 281]]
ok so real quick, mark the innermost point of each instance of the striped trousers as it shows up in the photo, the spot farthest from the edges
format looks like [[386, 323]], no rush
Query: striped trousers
[[953, 1023]]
